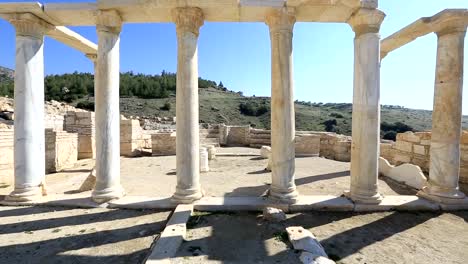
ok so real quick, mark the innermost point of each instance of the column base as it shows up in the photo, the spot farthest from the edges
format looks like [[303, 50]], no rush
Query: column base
[[289, 196], [187, 196], [105, 195], [363, 198], [442, 195], [28, 194]]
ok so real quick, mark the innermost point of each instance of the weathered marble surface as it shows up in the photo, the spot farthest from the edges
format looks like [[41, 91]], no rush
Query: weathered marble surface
[[281, 23], [29, 136], [188, 22], [446, 117], [366, 107], [107, 109]]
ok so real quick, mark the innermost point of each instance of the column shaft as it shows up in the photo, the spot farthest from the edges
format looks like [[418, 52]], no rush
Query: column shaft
[[446, 117], [281, 25], [188, 21], [366, 107], [107, 114], [29, 137]]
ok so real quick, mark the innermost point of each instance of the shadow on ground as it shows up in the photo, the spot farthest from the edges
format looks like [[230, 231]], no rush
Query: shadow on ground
[[62, 235], [389, 237]]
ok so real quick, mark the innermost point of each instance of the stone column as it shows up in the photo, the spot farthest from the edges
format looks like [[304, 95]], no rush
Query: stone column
[[283, 188], [366, 106], [188, 21], [29, 136], [446, 118], [107, 108]]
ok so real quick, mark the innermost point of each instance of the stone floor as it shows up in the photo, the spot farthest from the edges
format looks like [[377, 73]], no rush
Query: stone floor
[[65, 235], [228, 176]]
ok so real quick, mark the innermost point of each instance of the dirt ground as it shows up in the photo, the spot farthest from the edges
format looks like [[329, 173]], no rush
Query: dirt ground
[[348, 238], [228, 176], [64, 235]]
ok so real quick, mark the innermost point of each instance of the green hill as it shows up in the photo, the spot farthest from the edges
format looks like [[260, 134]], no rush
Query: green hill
[[154, 96]]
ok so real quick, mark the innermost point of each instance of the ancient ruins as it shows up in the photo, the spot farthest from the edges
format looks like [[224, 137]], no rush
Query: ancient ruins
[[105, 136]]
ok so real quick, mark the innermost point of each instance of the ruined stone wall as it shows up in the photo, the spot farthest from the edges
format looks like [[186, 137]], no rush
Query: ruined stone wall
[[234, 135], [83, 124], [6, 157], [163, 143], [331, 146], [55, 122], [61, 150], [132, 138], [414, 148]]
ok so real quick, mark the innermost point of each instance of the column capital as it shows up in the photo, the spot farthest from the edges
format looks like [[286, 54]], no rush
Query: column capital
[[27, 24], [280, 19], [453, 28], [108, 21], [92, 57], [188, 19], [366, 20]]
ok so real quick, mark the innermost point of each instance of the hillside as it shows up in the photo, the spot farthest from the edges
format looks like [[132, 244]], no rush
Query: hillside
[[219, 105]]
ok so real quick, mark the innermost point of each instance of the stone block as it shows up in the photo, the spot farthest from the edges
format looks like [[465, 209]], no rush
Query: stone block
[[420, 150], [164, 143], [409, 137], [307, 145], [425, 142], [402, 158], [404, 146]]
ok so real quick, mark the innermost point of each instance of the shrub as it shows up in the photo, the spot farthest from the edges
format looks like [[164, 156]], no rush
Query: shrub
[[330, 125], [86, 105], [253, 109], [166, 106], [390, 135], [336, 115]]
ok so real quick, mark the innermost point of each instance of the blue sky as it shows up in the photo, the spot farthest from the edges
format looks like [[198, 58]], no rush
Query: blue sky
[[238, 54]]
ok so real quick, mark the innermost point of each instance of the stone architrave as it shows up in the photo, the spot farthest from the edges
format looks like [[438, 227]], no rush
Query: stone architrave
[[444, 169], [281, 24], [29, 134], [366, 106], [108, 185], [188, 21]]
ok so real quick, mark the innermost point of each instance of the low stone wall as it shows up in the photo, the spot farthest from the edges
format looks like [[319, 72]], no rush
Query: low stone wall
[[307, 145], [61, 150], [234, 135], [55, 122], [331, 146], [83, 124], [163, 143], [6, 157], [414, 148], [132, 138]]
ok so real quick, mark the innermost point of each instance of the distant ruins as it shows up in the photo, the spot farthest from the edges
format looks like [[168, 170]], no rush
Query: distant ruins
[[105, 136]]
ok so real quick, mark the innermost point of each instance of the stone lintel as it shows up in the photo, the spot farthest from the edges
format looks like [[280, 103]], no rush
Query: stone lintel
[[366, 20], [446, 21], [188, 19]]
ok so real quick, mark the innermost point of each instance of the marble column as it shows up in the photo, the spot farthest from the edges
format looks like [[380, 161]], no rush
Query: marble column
[[446, 118], [188, 21], [366, 107], [281, 24], [29, 137], [107, 112]]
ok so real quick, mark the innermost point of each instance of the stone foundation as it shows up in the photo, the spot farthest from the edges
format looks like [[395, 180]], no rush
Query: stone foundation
[[61, 150], [415, 147], [83, 124], [163, 143], [6, 157], [132, 139]]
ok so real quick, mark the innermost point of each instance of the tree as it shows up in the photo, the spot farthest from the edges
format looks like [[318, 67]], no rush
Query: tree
[[221, 85]]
